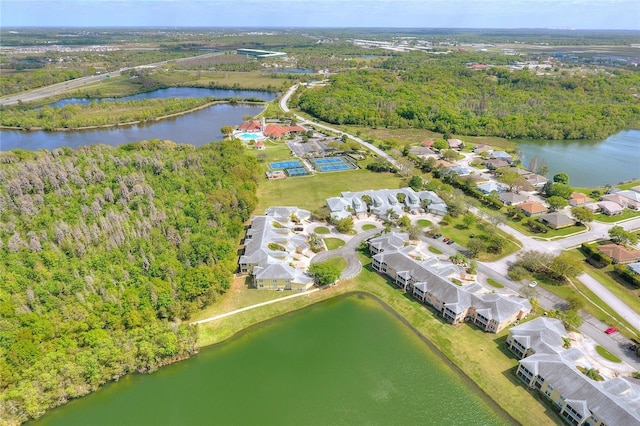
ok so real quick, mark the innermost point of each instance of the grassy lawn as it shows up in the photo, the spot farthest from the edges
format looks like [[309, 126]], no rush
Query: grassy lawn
[[606, 354], [624, 291], [424, 223], [494, 283], [481, 356], [551, 233], [368, 226], [482, 230], [333, 243], [434, 250], [626, 214], [321, 230], [311, 192]]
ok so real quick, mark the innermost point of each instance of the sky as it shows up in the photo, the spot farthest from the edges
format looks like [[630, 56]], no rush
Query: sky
[[578, 14]]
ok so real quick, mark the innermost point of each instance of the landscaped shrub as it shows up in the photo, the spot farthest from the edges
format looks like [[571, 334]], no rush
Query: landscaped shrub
[[627, 274]]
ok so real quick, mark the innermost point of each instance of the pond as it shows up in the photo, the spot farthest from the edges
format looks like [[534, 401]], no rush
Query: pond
[[178, 92], [589, 163], [345, 361]]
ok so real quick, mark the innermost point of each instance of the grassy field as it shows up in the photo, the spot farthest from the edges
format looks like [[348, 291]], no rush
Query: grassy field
[[311, 192], [480, 229], [481, 356], [333, 243], [606, 354]]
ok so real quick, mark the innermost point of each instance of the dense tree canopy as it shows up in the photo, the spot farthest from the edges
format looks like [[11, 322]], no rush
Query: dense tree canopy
[[447, 97], [104, 252]]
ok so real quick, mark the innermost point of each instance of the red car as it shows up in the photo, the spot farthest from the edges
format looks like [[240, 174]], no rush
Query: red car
[[611, 330], [445, 239]]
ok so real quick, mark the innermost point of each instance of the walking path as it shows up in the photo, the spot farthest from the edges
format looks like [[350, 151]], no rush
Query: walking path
[[247, 308]]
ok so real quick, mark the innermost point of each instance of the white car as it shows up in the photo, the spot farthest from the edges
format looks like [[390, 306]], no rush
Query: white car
[[533, 284]]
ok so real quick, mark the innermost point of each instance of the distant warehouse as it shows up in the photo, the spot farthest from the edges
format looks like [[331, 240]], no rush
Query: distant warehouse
[[261, 53]]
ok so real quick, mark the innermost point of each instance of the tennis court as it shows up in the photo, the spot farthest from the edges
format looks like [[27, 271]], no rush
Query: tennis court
[[334, 167], [298, 171], [285, 164], [330, 160]]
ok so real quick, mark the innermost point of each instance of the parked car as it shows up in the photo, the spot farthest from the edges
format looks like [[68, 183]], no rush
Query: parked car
[[437, 236], [611, 330], [450, 242], [445, 239], [533, 284]]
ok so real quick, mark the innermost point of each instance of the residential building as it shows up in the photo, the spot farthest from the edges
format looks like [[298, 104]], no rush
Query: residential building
[[622, 200], [579, 399], [540, 335], [489, 187], [556, 220], [610, 208], [536, 180], [495, 164], [431, 282], [579, 199], [273, 248], [482, 148], [632, 198], [384, 202], [455, 143], [620, 254], [532, 208], [501, 155], [512, 199]]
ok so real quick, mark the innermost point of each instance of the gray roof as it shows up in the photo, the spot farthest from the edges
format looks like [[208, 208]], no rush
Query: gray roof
[[543, 335], [557, 219], [434, 279], [635, 267], [614, 402], [512, 198], [383, 201]]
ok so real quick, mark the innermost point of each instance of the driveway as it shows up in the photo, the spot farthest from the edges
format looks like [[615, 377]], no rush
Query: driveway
[[349, 252]]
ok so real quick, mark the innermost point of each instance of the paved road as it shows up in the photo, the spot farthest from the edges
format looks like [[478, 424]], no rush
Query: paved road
[[65, 86], [302, 120], [349, 252]]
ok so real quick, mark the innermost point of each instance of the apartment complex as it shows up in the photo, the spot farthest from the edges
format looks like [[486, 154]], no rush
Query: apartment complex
[[274, 250], [432, 282], [558, 374]]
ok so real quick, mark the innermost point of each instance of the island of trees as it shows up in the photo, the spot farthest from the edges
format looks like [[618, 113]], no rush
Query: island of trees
[[104, 253]]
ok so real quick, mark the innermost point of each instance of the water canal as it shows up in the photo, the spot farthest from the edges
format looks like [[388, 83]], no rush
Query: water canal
[[344, 361]]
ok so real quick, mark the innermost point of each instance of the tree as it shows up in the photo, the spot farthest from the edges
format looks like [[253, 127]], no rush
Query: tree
[[226, 131], [543, 168], [325, 272], [561, 177], [557, 203], [564, 266], [582, 214], [468, 220], [415, 183], [496, 218], [404, 222], [620, 236], [440, 144], [345, 225], [560, 190], [475, 247]]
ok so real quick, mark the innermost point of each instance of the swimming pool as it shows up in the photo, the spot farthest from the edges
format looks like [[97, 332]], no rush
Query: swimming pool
[[253, 136]]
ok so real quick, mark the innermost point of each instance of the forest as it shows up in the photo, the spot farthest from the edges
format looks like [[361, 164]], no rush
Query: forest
[[105, 252], [446, 96]]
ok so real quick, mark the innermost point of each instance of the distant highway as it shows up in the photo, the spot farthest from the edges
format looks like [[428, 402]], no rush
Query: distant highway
[[66, 86]]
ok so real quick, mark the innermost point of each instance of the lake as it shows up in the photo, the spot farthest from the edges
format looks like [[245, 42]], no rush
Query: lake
[[589, 163], [177, 92], [344, 361]]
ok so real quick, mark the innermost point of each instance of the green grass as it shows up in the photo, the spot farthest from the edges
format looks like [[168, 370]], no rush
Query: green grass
[[626, 214], [461, 235], [333, 243], [434, 250], [311, 192], [494, 283], [321, 230], [624, 291], [339, 262], [368, 226], [606, 354], [424, 222]]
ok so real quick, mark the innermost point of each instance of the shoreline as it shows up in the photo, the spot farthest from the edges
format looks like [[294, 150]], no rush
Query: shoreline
[[353, 288], [131, 123]]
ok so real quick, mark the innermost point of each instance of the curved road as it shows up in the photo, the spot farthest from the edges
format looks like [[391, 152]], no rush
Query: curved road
[[302, 120], [349, 252]]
